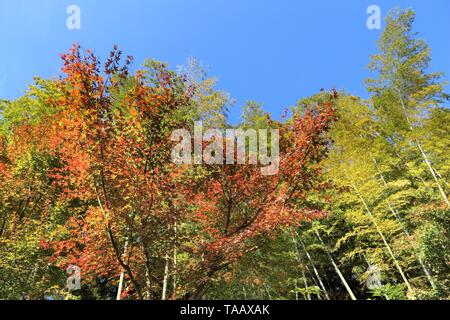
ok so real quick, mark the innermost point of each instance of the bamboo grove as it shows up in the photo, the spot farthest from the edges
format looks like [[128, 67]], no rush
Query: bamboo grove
[[86, 179]]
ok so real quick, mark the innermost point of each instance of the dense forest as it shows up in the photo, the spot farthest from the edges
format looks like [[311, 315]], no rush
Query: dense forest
[[358, 209]]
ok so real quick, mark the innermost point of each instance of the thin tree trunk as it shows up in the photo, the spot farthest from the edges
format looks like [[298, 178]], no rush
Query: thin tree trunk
[[119, 290], [166, 279], [301, 263], [336, 268], [122, 274], [305, 282], [397, 265], [406, 232], [313, 278], [424, 156], [147, 284], [315, 270], [115, 247], [433, 173], [174, 279]]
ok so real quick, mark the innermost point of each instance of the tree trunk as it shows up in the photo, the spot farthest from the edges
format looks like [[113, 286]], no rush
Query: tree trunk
[[174, 277], [406, 232], [166, 279], [336, 268], [315, 270], [397, 265], [424, 155], [122, 275], [305, 282]]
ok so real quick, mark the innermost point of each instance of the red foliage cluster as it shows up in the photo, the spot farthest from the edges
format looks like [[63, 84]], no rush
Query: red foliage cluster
[[130, 205]]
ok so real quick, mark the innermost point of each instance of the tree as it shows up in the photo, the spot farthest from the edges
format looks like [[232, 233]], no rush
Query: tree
[[404, 92], [101, 160]]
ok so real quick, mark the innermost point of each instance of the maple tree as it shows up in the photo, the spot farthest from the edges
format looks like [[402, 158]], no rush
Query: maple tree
[[127, 204]]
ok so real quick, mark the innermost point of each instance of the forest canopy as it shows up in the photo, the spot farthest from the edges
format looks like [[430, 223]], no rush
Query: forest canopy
[[358, 208]]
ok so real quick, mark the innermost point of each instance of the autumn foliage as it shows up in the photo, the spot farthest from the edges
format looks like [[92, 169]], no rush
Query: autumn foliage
[[98, 170]]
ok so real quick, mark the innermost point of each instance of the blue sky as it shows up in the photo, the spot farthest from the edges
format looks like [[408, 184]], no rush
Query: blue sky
[[274, 52]]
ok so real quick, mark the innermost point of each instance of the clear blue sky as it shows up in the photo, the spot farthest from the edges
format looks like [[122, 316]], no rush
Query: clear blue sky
[[273, 52]]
